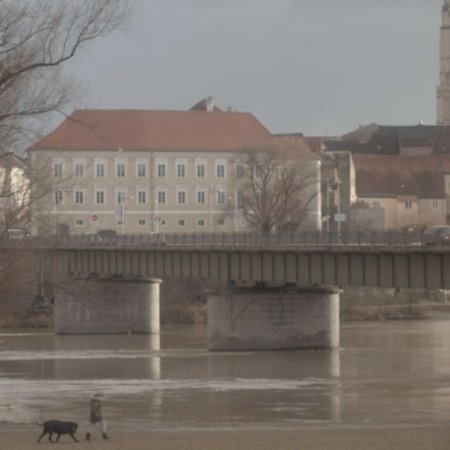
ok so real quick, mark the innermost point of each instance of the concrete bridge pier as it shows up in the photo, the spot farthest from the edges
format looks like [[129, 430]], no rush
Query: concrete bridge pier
[[262, 318], [108, 305]]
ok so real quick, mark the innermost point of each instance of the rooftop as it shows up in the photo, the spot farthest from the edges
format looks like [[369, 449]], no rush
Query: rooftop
[[134, 130]]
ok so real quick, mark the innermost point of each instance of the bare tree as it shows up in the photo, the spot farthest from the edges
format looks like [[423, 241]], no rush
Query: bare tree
[[279, 185], [36, 39]]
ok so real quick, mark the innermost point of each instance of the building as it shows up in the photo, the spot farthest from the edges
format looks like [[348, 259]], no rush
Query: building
[[412, 191], [14, 193], [402, 175], [137, 171]]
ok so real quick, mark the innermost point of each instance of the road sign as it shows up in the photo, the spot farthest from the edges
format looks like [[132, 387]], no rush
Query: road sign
[[94, 217], [341, 217]]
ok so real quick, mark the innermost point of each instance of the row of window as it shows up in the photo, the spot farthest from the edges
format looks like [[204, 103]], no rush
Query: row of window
[[142, 196], [141, 169], [408, 204], [181, 222]]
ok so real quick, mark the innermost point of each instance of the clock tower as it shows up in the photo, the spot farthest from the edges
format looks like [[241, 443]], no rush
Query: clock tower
[[443, 90]]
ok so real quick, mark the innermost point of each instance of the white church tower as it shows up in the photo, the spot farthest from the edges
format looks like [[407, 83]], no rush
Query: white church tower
[[443, 90]]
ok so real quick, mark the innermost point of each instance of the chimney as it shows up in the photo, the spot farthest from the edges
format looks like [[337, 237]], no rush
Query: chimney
[[209, 104]]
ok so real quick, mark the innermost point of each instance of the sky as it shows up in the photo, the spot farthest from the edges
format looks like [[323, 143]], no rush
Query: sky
[[320, 67]]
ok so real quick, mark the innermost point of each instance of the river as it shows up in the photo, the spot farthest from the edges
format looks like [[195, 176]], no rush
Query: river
[[385, 373]]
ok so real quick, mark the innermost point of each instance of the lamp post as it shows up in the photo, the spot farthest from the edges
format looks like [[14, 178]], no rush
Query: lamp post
[[123, 203], [337, 193], [58, 199], [156, 217], [210, 193], [328, 205], [235, 210]]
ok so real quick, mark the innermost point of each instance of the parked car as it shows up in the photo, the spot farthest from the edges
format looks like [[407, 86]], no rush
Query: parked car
[[17, 233], [157, 238], [106, 236], [107, 233], [437, 235], [41, 302]]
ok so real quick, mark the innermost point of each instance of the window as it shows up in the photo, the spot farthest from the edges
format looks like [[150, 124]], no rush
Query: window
[[181, 197], [142, 222], [120, 196], [201, 170], [79, 222], [161, 170], [142, 197], [58, 197], [201, 222], [201, 197], [100, 197], [79, 170], [181, 169], [221, 223], [100, 170], [435, 204], [408, 204], [58, 169], [120, 170], [181, 222], [220, 170], [240, 170], [220, 197], [79, 197], [161, 197], [141, 170], [162, 222]]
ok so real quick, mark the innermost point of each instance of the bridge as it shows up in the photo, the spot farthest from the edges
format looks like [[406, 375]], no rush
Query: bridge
[[284, 289], [378, 259]]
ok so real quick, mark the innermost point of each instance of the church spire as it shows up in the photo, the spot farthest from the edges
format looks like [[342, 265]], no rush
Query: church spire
[[443, 90]]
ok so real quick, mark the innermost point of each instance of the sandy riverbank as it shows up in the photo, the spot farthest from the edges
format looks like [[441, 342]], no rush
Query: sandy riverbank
[[427, 438]]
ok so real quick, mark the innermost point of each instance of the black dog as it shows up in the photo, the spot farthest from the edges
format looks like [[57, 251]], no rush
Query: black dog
[[58, 427]]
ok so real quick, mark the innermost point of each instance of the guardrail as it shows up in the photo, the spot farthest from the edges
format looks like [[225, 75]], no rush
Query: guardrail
[[298, 239]]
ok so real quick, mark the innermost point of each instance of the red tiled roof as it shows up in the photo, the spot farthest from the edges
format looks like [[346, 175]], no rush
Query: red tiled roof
[[392, 176], [155, 130]]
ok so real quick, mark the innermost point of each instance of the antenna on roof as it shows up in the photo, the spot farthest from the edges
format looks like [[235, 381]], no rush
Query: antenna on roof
[[209, 104]]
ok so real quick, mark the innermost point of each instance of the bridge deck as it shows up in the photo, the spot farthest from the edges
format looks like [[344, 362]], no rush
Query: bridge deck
[[393, 266]]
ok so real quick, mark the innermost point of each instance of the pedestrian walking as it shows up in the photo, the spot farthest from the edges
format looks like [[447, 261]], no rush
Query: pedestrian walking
[[96, 416]]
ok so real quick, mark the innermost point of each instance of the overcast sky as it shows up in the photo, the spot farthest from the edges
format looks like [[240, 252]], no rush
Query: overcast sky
[[312, 66]]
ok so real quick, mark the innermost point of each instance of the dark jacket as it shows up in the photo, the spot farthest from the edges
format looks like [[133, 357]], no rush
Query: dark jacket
[[96, 411]]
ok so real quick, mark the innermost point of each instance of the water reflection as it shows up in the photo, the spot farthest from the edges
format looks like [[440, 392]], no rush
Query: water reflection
[[385, 373]]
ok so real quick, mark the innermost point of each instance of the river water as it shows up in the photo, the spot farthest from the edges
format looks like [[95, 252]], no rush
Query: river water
[[385, 373]]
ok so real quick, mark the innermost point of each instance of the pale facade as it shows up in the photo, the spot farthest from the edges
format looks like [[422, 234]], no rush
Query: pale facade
[[409, 211], [14, 192], [139, 192]]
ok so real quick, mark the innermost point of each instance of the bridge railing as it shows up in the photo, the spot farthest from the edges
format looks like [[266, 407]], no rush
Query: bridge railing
[[355, 238]]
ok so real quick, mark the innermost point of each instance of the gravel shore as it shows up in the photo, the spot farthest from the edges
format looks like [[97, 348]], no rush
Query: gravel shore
[[423, 438]]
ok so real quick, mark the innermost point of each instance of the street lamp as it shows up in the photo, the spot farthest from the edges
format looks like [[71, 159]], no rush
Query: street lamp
[[210, 193], [123, 203], [58, 199], [337, 197], [236, 216]]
